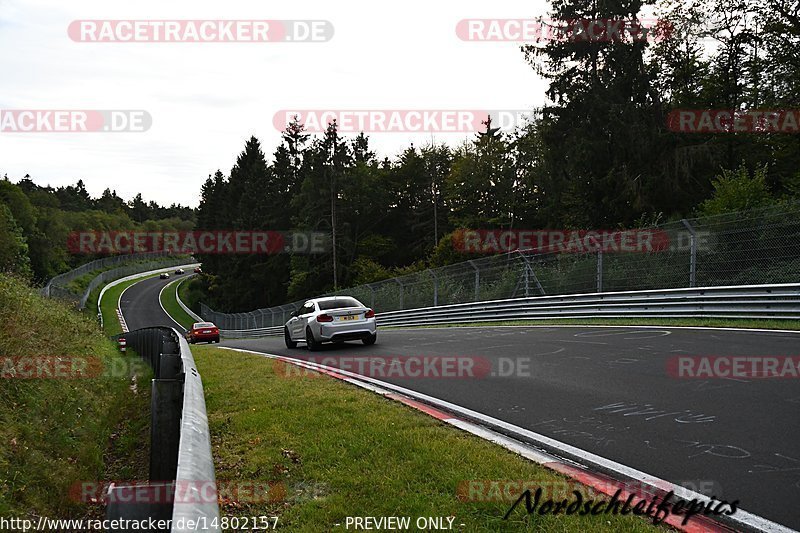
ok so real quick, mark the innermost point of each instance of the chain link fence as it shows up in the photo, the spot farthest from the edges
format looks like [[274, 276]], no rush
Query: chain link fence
[[62, 286], [754, 247]]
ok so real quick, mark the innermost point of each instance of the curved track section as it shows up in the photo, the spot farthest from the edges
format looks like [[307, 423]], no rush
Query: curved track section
[[141, 307], [606, 390]]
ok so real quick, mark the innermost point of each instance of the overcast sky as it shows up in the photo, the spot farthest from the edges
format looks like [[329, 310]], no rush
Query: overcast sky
[[206, 99]]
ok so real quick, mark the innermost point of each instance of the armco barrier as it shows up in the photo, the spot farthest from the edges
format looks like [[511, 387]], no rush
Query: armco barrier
[[186, 309], [180, 442], [745, 301], [62, 280], [753, 247], [55, 289]]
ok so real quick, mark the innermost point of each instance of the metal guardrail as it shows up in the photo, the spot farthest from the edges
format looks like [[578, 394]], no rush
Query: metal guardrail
[[754, 247], [180, 451], [62, 280], [136, 275], [185, 307], [55, 289], [743, 301]]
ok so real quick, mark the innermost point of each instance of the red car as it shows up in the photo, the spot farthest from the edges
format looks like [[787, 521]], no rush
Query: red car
[[203, 332], [198, 270]]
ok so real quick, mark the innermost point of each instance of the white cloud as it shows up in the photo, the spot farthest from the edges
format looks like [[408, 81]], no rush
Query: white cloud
[[207, 99]]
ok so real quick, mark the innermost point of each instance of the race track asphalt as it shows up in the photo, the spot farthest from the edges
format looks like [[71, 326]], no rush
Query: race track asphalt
[[608, 391], [140, 305], [604, 390]]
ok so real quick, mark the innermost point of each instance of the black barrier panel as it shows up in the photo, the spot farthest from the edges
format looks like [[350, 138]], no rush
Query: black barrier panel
[[161, 348]]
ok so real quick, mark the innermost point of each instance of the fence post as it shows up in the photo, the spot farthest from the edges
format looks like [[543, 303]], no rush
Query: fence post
[[599, 270], [527, 273], [402, 293], [692, 253], [477, 280], [435, 288], [371, 296]]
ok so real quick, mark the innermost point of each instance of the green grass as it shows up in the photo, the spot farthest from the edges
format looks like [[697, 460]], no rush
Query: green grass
[[191, 293], [169, 300], [56, 433], [342, 451], [109, 304], [666, 322], [79, 284]]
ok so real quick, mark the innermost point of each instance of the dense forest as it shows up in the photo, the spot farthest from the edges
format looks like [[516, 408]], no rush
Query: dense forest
[[35, 222], [599, 154]]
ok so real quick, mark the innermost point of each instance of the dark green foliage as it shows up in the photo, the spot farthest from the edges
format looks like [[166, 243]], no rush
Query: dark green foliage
[[35, 223]]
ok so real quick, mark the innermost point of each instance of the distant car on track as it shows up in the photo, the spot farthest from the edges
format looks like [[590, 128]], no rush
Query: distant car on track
[[198, 270], [203, 332], [334, 319], [179, 271], [164, 275]]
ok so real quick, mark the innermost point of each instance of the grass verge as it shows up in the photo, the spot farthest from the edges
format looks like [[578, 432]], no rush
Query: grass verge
[[169, 300], [109, 304], [341, 451], [192, 293], [79, 284], [666, 322], [59, 431]]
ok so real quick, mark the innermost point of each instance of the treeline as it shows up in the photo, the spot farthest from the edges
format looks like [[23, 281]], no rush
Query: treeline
[[35, 222], [600, 155]]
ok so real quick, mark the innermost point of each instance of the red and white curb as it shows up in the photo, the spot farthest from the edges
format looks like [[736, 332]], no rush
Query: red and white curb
[[646, 486], [122, 322]]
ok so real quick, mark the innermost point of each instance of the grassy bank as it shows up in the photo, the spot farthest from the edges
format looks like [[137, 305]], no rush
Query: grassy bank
[[340, 451], [192, 293], [57, 432]]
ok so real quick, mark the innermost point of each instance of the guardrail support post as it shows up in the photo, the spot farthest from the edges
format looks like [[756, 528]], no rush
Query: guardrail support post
[[165, 426], [692, 253]]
